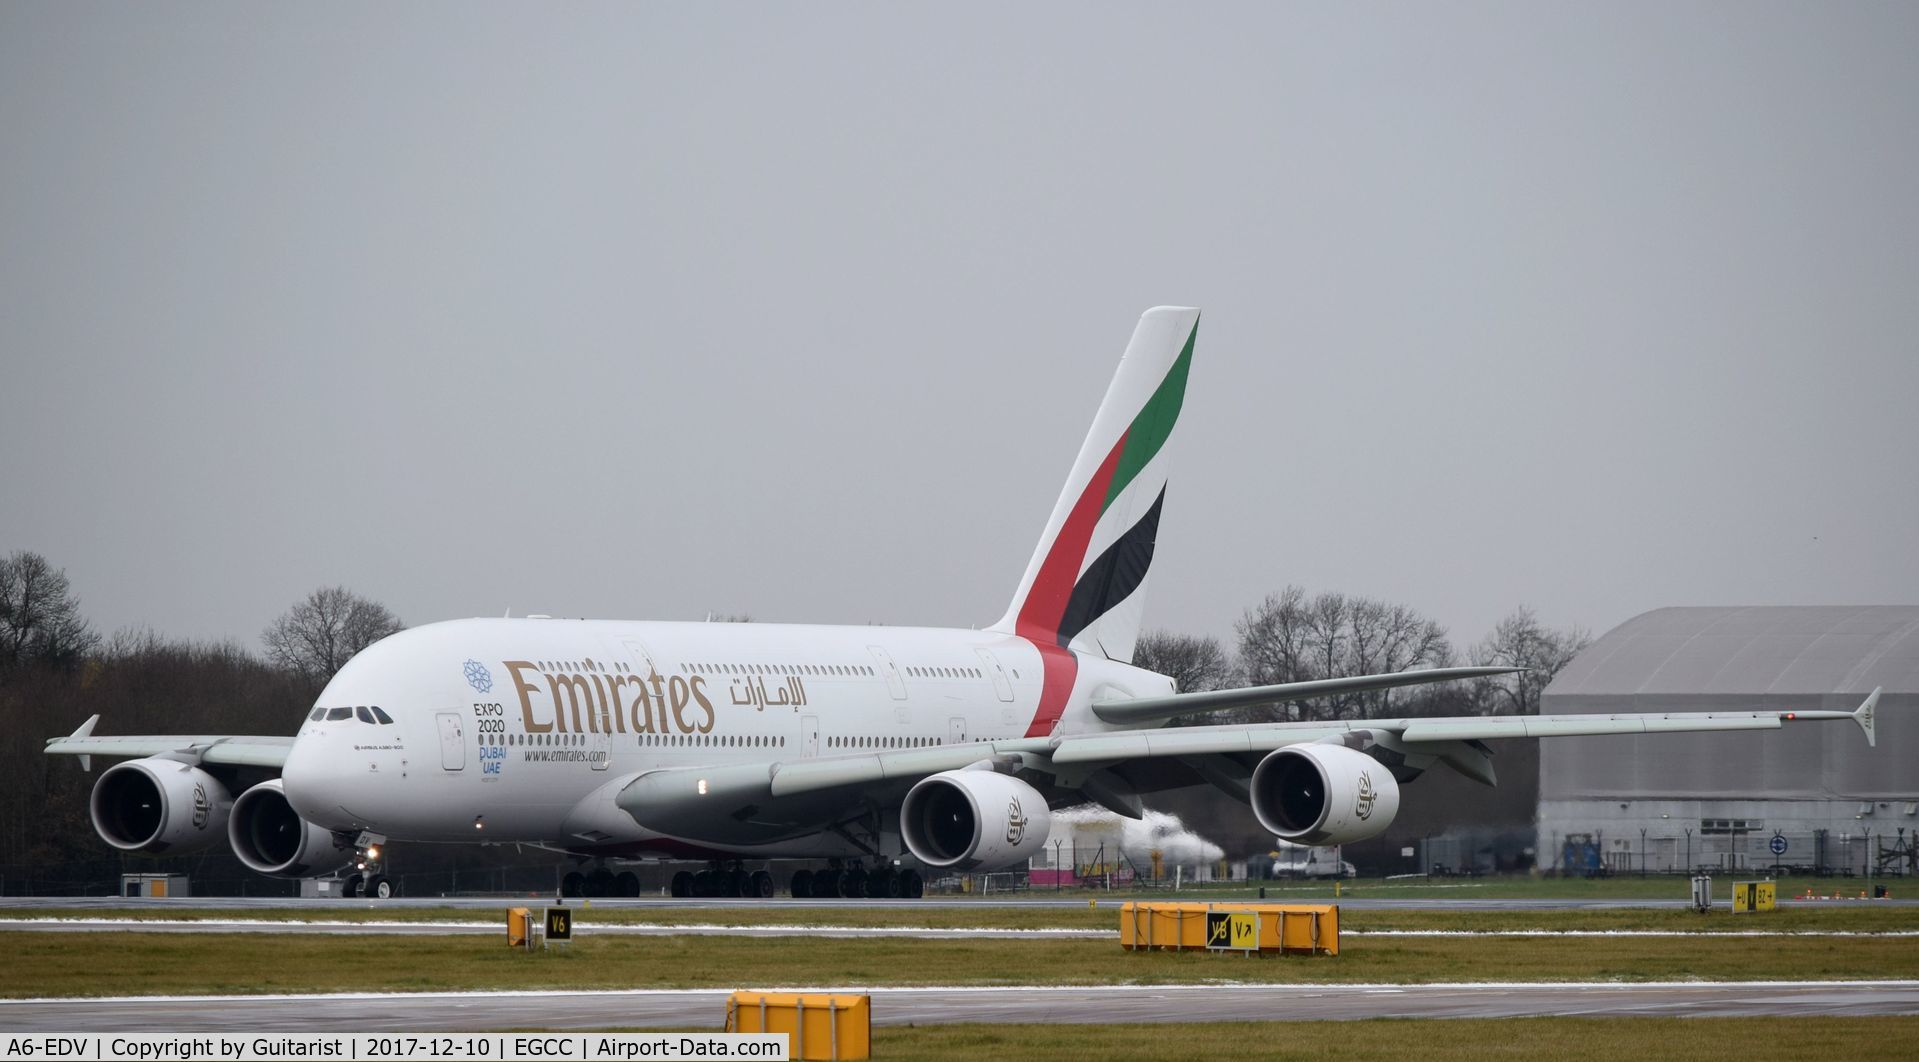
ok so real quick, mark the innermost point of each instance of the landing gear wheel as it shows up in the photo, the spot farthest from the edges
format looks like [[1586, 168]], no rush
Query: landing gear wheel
[[599, 883], [703, 884], [802, 884], [682, 884], [853, 882], [912, 887], [380, 887], [627, 884], [826, 885], [573, 884], [351, 890], [759, 885], [735, 882], [882, 883]]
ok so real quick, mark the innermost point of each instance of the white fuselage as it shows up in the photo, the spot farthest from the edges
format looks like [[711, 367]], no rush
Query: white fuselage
[[522, 731]]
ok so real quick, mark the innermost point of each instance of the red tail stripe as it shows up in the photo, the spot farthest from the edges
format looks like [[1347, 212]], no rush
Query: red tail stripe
[[1039, 616], [1052, 587]]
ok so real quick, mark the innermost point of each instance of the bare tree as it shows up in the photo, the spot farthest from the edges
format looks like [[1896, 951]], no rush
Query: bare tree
[[40, 619], [1290, 637], [319, 635], [1192, 663], [1521, 641]]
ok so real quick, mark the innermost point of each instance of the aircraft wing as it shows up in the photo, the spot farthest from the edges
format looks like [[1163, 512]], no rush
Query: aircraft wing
[[1149, 709], [218, 749], [757, 801]]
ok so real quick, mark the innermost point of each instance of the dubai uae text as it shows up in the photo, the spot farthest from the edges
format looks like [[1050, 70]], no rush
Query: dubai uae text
[[386, 1047]]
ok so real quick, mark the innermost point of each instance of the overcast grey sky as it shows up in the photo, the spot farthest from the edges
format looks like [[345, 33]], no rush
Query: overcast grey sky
[[644, 310]]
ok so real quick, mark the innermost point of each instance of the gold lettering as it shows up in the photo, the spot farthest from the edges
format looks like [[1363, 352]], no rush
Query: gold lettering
[[526, 703], [699, 694], [610, 717], [577, 690], [642, 707], [680, 691]]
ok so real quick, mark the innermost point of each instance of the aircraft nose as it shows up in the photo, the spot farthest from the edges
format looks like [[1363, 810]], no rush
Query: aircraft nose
[[315, 784]]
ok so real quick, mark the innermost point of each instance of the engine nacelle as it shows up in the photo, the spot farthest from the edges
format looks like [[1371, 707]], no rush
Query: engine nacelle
[[159, 805], [1323, 794], [970, 820], [269, 837]]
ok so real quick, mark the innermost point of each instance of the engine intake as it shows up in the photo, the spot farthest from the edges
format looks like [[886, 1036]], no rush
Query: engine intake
[[1323, 794], [158, 805], [969, 820], [270, 837]]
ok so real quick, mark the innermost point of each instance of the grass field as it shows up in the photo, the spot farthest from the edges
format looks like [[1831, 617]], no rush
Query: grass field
[[56, 964], [1847, 917], [1530, 1039]]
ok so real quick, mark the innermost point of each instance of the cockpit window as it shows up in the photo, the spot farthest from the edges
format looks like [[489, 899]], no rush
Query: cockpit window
[[381, 716], [363, 715], [337, 714], [317, 715]]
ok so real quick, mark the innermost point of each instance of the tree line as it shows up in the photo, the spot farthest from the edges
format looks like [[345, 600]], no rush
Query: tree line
[[1293, 636]]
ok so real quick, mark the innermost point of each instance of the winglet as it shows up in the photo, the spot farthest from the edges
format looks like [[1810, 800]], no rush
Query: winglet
[[1863, 715], [86, 730]]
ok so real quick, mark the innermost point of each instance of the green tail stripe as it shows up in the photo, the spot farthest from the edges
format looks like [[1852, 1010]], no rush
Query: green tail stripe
[[1149, 430]]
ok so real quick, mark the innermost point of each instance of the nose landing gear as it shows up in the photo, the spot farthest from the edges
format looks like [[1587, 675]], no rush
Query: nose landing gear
[[369, 871]]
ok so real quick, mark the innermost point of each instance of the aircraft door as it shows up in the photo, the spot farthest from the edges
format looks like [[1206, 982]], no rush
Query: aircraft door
[[956, 730], [809, 735], [600, 748], [452, 741], [895, 682], [1002, 686]]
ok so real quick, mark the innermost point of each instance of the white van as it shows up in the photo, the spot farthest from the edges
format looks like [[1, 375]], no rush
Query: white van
[[1298, 861]]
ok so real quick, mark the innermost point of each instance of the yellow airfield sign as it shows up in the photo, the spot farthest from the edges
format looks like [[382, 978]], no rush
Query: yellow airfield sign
[[1232, 930]]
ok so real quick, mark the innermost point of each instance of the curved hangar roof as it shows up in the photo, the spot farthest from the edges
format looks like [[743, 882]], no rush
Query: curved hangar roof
[[1725, 659], [1759, 650]]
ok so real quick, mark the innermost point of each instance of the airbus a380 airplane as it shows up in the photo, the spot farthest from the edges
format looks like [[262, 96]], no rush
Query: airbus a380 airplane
[[884, 750]]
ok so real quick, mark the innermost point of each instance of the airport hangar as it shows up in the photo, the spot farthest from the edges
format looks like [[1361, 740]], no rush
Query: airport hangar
[[1667, 803]]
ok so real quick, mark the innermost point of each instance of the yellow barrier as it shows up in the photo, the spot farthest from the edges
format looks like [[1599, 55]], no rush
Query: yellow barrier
[[1750, 896], [822, 1026], [1311, 929], [519, 925]]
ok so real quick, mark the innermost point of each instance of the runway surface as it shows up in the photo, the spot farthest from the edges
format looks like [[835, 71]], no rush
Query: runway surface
[[568, 1011], [103, 904]]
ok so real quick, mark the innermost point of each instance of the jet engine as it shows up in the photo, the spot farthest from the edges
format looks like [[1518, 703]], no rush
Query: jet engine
[[1323, 794], [268, 836], [969, 820], [159, 805]]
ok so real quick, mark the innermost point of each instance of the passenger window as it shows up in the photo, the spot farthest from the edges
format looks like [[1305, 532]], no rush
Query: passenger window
[[337, 714]]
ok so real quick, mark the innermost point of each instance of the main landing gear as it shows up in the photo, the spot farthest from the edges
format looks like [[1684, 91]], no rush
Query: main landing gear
[[723, 879], [883, 882], [599, 882]]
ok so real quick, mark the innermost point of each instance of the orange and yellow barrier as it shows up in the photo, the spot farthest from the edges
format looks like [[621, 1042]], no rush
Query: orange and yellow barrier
[[1301, 929], [816, 1026]]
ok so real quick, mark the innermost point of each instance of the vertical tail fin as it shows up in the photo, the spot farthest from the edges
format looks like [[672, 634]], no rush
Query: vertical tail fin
[[1086, 584]]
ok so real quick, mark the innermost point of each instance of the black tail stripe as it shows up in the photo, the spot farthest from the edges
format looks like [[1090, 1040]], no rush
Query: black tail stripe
[[1114, 576]]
